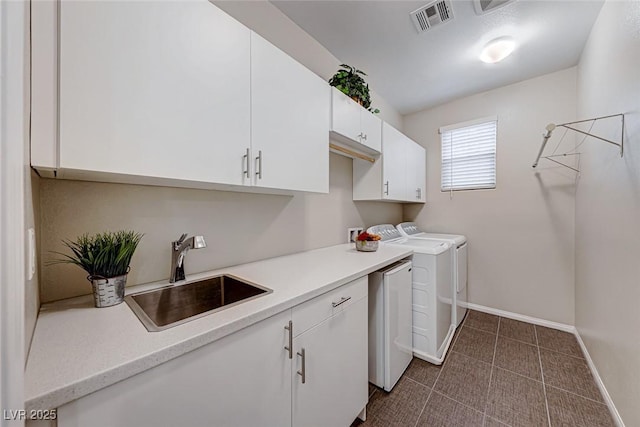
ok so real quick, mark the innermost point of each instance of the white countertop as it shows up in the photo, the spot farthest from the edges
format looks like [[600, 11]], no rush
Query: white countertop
[[78, 349]]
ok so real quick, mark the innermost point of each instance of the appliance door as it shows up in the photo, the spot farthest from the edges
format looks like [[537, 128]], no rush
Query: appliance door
[[461, 282], [398, 323]]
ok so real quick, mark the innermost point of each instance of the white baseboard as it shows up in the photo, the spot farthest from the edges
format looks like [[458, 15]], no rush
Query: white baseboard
[[562, 327], [605, 394], [515, 316]]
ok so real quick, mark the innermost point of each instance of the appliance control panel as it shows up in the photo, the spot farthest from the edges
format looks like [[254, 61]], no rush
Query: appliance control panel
[[386, 231], [409, 227]]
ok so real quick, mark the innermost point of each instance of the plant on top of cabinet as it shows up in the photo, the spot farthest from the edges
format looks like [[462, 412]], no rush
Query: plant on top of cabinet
[[106, 257], [349, 81]]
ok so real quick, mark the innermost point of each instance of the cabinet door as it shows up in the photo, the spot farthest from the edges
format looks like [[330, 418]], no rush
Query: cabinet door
[[393, 163], [420, 161], [416, 172], [335, 388], [290, 113], [241, 380], [158, 89], [371, 130], [345, 116]]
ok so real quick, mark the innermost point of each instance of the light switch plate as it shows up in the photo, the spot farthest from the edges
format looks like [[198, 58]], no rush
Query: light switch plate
[[31, 242], [352, 233]]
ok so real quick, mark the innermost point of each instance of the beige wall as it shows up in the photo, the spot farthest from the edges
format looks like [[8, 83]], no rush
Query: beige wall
[[239, 227], [267, 20], [521, 234], [608, 206]]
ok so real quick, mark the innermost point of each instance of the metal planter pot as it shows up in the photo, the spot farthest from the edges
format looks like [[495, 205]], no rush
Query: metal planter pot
[[108, 291]]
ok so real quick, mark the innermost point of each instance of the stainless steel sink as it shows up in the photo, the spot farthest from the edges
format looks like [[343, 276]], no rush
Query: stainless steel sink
[[172, 305]]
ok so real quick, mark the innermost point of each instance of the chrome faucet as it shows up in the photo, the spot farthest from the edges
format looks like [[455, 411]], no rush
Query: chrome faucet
[[179, 249]]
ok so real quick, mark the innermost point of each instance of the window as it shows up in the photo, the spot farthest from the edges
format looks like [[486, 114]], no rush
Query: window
[[469, 155]]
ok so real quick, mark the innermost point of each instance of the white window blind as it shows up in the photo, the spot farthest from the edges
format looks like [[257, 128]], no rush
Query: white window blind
[[469, 155]]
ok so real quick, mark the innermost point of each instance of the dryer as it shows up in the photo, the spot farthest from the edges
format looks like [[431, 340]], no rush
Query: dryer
[[432, 296], [459, 255]]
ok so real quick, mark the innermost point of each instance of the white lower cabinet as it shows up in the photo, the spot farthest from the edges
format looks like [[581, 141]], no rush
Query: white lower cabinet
[[330, 374], [243, 379], [248, 379]]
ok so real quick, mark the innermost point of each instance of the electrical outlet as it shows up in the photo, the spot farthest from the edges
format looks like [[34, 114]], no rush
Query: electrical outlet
[[352, 233]]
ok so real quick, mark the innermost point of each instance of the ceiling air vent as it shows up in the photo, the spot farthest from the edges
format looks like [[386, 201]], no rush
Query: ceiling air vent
[[431, 15], [484, 6]]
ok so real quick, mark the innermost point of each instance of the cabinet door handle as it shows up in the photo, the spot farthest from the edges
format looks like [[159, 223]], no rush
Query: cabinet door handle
[[303, 371], [342, 301], [386, 186], [289, 348], [259, 159], [246, 158], [364, 136]]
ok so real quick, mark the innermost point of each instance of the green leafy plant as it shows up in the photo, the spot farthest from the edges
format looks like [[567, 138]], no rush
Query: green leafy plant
[[106, 254], [349, 81]]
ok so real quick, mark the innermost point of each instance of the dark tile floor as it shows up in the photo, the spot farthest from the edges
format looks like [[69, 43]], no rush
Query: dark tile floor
[[499, 372]]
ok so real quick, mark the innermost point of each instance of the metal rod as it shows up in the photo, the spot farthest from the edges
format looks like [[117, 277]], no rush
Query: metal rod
[[545, 138], [592, 135], [591, 120], [562, 164], [351, 153], [561, 155]]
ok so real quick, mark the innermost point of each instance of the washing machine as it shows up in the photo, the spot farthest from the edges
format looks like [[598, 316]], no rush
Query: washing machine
[[459, 255], [431, 288]]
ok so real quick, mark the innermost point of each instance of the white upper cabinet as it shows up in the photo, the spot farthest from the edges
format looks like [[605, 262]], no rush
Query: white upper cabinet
[[371, 130], [345, 116], [394, 170], [173, 93], [353, 125], [290, 114], [398, 175], [416, 172], [157, 89]]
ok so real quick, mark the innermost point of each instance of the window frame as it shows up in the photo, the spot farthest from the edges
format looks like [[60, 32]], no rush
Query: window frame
[[461, 125]]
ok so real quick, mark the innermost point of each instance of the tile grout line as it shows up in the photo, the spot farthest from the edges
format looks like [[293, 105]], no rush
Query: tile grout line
[[577, 395], [564, 354], [423, 406], [544, 387], [433, 388], [493, 360]]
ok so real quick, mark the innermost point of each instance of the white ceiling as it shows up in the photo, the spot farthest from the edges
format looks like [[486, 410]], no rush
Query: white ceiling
[[415, 71]]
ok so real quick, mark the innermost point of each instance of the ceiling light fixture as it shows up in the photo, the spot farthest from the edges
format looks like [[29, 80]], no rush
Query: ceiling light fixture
[[497, 49]]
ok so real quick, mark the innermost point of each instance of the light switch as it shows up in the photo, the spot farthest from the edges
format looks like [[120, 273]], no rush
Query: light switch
[[31, 251]]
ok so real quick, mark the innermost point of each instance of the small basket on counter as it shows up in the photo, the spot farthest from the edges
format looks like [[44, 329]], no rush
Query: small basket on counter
[[367, 242]]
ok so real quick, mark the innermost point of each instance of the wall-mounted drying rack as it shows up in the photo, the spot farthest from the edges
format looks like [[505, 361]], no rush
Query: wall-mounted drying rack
[[551, 127]]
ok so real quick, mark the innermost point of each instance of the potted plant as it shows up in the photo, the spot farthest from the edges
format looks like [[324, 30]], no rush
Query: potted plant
[[349, 81], [105, 257], [367, 242]]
